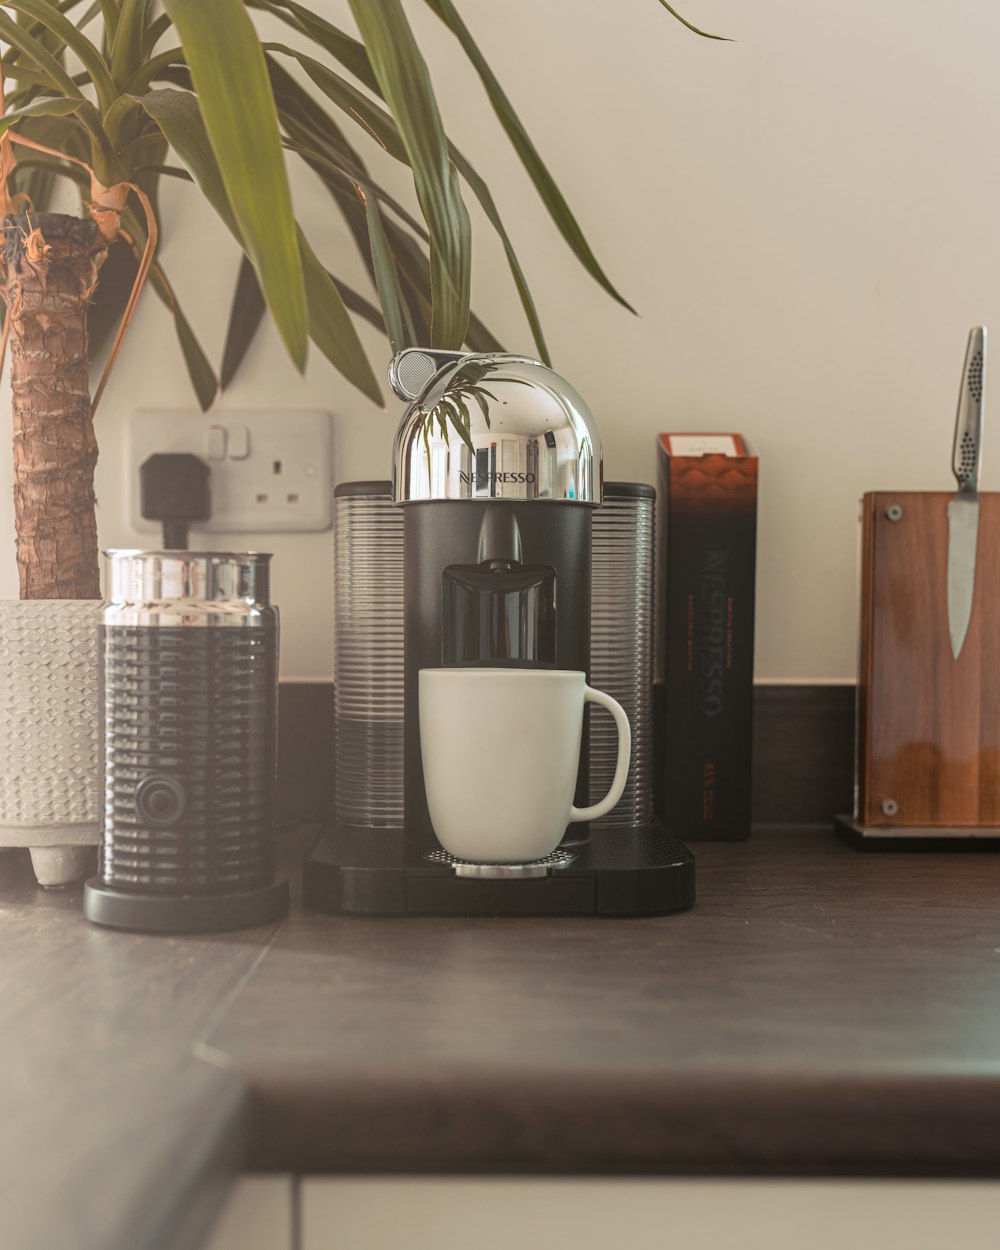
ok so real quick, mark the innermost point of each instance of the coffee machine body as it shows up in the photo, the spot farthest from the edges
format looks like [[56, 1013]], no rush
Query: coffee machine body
[[497, 473], [497, 470]]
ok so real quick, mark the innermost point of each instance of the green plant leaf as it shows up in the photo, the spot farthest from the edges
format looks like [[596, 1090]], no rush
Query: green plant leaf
[[398, 324], [108, 301], [41, 108], [30, 77], [382, 126], [116, 120], [414, 272], [199, 367], [306, 122], [227, 68], [684, 22], [341, 156], [101, 153], [177, 115], [354, 303], [168, 171], [329, 325], [126, 44], [312, 127], [332, 329], [406, 87], [152, 69], [109, 10], [244, 320], [34, 181], [93, 11], [57, 79], [352, 176], [155, 31], [138, 150], [200, 370], [545, 185], [116, 278], [482, 193], [480, 338], [343, 47], [89, 56], [310, 124], [47, 170]]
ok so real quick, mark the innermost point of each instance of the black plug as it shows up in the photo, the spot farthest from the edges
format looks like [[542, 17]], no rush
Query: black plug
[[173, 488]]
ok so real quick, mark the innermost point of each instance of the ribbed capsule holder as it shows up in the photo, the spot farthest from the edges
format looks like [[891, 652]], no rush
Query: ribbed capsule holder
[[368, 657], [621, 646]]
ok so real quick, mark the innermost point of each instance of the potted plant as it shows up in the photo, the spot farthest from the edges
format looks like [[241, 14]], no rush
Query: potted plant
[[115, 97]]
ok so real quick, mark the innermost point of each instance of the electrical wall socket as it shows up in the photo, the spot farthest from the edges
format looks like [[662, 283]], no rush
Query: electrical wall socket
[[271, 470]]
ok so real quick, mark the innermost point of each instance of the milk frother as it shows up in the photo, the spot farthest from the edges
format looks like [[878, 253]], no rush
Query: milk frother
[[189, 712]]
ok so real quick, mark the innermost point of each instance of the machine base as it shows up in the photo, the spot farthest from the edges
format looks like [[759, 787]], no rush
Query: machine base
[[363, 872], [184, 913], [906, 838]]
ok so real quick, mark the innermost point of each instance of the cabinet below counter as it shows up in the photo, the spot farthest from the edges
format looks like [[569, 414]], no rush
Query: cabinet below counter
[[593, 1213]]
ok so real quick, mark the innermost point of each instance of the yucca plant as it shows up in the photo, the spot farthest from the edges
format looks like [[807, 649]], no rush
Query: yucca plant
[[116, 95]]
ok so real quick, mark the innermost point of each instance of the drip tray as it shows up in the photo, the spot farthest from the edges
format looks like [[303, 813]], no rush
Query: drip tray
[[627, 872]]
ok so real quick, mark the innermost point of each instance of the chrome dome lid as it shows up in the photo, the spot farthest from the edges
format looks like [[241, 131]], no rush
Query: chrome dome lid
[[495, 426]]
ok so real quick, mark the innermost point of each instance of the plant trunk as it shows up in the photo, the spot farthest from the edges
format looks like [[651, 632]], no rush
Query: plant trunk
[[50, 263]]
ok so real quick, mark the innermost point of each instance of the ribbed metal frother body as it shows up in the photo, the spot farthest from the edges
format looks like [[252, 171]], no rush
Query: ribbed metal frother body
[[189, 693], [621, 645], [368, 656]]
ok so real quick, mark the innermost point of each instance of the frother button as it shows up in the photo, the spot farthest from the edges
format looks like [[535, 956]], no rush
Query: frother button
[[160, 800]]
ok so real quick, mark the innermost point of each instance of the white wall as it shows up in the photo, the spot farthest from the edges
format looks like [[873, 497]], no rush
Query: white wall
[[805, 218]]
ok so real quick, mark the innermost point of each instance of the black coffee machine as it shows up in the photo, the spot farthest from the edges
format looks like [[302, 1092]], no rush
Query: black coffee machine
[[497, 472]]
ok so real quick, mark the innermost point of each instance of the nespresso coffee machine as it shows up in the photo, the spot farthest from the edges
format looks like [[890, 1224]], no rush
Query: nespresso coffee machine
[[497, 473]]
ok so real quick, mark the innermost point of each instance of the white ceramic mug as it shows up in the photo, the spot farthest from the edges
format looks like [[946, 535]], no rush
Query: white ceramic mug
[[501, 750]]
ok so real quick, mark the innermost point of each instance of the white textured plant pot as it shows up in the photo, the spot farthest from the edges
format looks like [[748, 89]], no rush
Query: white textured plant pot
[[49, 735]]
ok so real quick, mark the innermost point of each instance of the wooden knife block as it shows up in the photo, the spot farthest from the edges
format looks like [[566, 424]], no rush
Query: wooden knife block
[[928, 725]]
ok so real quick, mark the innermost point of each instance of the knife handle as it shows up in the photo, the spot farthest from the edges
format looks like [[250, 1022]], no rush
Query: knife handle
[[966, 452]]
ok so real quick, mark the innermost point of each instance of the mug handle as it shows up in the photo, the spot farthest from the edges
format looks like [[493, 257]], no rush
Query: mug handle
[[597, 810]]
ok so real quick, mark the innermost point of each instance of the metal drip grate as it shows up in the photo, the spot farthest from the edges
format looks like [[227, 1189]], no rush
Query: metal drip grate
[[499, 872]]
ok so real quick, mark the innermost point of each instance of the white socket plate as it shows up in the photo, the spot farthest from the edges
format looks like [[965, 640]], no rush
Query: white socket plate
[[271, 470]]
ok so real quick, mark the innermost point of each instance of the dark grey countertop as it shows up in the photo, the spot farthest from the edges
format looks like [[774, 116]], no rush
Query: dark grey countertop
[[820, 1011]]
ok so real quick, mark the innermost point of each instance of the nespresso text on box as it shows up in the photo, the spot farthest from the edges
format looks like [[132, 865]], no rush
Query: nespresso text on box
[[706, 561]]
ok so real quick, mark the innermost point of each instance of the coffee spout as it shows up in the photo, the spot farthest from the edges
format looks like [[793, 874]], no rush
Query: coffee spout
[[499, 536]]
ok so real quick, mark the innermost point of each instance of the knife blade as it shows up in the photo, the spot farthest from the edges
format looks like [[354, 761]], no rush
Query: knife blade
[[963, 507]]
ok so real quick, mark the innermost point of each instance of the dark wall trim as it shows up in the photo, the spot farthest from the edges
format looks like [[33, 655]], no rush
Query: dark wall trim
[[803, 767], [803, 753], [305, 752]]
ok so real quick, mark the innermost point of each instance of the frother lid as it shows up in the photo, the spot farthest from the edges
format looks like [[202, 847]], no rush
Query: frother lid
[[209, 577], [495, 426]]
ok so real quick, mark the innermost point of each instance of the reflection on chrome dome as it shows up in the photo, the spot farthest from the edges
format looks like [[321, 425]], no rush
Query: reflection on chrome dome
[[491, 427]]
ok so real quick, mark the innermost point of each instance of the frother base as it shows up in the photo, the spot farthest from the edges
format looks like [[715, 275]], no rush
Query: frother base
[[367, 872], [184, 913]]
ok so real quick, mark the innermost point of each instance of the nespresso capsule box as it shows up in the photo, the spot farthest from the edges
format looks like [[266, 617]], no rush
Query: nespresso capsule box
[[706, 556]]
